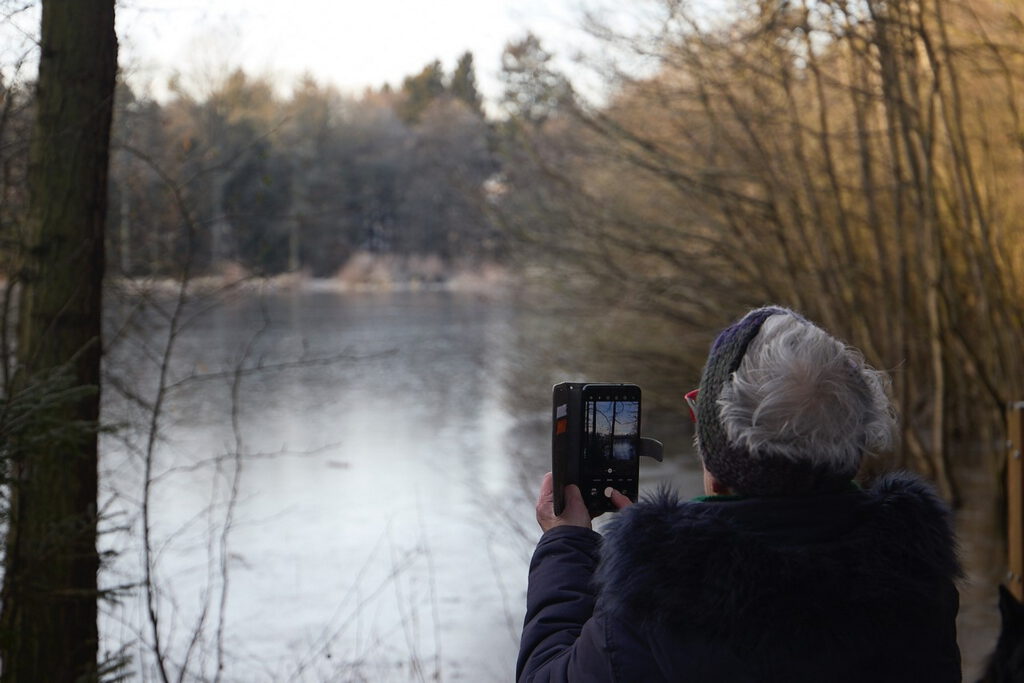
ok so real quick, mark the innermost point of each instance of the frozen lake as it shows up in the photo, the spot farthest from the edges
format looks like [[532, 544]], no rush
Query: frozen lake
[[384, 458]]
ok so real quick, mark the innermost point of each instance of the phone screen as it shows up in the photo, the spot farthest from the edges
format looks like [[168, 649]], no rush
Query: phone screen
[[611, 433]]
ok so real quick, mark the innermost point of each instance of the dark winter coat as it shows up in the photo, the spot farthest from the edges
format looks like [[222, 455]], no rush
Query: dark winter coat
[[851, 586]]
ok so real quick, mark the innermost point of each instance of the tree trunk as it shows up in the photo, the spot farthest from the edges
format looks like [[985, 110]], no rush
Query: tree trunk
[[48, 620]]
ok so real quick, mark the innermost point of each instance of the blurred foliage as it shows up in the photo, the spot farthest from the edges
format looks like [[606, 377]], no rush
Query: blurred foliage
[[859, 161]]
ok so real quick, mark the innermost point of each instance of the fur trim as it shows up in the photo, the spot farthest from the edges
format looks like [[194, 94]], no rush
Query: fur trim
[[739, 567]]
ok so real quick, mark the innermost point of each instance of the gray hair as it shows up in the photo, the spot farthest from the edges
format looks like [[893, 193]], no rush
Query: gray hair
[[805, 396]]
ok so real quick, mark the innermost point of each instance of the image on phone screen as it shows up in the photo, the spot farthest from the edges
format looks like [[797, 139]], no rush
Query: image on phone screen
[[611, 433]]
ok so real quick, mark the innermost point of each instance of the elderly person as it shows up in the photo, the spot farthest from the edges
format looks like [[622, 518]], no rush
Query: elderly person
[[786, 570]]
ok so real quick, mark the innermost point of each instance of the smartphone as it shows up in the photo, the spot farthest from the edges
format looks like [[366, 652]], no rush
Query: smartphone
[[595, 442]]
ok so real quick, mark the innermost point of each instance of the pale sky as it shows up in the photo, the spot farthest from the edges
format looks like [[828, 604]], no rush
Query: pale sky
[[351, 43]]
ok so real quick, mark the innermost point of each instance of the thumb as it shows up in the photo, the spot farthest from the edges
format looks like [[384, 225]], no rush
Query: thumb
[[618, 499]]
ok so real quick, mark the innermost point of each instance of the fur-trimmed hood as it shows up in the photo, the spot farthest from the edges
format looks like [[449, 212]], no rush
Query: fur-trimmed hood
[[735, 567]]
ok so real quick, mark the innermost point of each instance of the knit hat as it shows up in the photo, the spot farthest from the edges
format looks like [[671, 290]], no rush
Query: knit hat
[[763, 474]]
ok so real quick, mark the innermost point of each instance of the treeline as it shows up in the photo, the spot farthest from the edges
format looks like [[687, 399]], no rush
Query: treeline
[[860, 161], [299, 182]]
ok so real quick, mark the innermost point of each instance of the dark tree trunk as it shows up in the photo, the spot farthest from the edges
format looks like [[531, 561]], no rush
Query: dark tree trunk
[[48, 620]]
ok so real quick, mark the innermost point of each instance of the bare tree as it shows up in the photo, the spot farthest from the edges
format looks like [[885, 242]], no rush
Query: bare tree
[[850, 159]]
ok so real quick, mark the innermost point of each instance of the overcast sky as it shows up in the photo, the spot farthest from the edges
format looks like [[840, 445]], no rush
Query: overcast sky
[[351, 43]]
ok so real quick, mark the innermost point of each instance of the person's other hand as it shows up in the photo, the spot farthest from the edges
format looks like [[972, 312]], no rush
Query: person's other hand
[[619, 500], [574, 514]]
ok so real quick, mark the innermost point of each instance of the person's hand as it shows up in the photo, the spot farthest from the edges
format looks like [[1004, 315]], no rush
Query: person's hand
[[619, 500], [574, 514]]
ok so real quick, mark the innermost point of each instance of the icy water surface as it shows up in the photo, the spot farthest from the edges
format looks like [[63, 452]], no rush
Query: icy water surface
[[389, 450]]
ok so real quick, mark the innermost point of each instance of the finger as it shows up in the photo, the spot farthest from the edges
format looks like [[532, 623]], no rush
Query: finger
[[546, 488], [619, 500]]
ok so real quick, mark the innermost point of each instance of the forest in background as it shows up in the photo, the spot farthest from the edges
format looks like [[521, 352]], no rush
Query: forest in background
[[860, 161], [241, 174]]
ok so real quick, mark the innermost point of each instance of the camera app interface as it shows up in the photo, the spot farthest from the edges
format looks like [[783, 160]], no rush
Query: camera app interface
[[611, 434]]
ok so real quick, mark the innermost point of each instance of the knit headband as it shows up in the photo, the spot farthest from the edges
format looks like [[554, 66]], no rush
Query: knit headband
[[732, 465]]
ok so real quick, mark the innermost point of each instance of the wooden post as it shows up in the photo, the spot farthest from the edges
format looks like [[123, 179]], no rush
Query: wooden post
[[1015, 497]]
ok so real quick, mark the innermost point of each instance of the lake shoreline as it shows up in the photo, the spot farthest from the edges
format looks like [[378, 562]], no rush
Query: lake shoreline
[[363, 273]]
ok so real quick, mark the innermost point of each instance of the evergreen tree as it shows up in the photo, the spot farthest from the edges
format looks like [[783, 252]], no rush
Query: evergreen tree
[[534, 90], [419, 91], [463, 84]]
